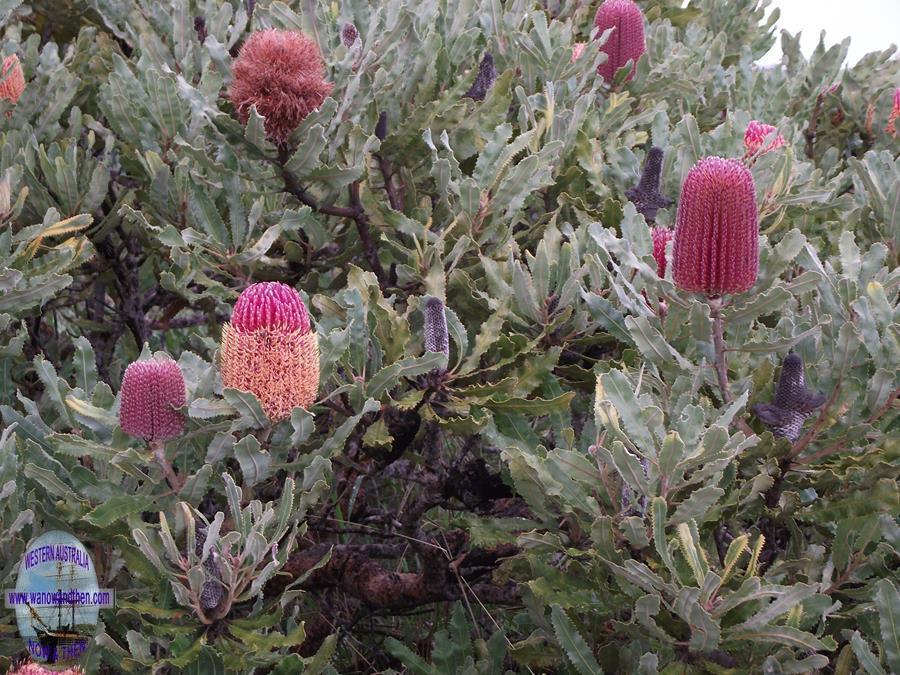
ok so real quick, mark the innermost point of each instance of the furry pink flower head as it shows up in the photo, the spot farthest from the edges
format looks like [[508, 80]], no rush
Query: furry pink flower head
[[270, 350], [755, 137], [281, 72], [12, 80], [716, 247], [151, 392], [627, 39]]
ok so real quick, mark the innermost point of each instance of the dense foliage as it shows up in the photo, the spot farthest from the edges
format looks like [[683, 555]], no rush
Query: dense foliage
[[582, 478]]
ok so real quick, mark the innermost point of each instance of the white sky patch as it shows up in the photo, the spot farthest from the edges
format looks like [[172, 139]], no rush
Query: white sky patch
[[871, 25]]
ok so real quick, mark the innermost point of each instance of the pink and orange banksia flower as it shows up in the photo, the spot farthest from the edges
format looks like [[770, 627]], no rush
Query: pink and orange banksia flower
[[270, 350], [716, 246], [12, 80], [627, 39], [282, 73], [755, 138], [152, 392]]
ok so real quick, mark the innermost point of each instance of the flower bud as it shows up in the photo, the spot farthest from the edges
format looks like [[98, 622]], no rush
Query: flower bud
[[212, 593], [485, 79], [152, 391], [281, 72], [793, 401], [717, 235], [646, 197], [436, 338], [627, 39], [349, 34], [269, 349]]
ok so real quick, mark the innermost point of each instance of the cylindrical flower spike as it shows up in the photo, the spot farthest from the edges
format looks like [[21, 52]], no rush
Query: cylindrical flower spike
[[646, 197], [484, 80], [436, 337], [793, 402], [891, 127], [12, 80], [151, 392], [661, 237], [717, 235], [281, 72], [627, 39], [755, 137], [269, 349]]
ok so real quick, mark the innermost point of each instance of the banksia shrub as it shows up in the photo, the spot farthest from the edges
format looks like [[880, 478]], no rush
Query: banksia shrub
[[12, 80], [282, 73], [152, 391], [627, 39], [895, 114], [484, 80], [269, 349], [646, 196], [793, 401], [436, 338], [661, 237], [717, 234], [755, 137]]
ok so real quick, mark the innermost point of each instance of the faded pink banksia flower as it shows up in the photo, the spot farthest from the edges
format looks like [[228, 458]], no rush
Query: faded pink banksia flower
[[627, 40], [269, 349], [716, 247], [152, 391], [281, 72], [755, 137], [12, 80]]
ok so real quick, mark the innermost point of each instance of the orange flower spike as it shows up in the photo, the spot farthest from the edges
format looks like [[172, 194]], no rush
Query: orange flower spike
[[269, 349]]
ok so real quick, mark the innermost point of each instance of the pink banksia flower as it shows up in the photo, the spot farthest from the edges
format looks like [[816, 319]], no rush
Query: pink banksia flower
[[661, 237], [281, 72], [269, 349], [716, 247], [35, 669], [755, 138], [152, 391], [891, 127], [627, 39], [12, 80]]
